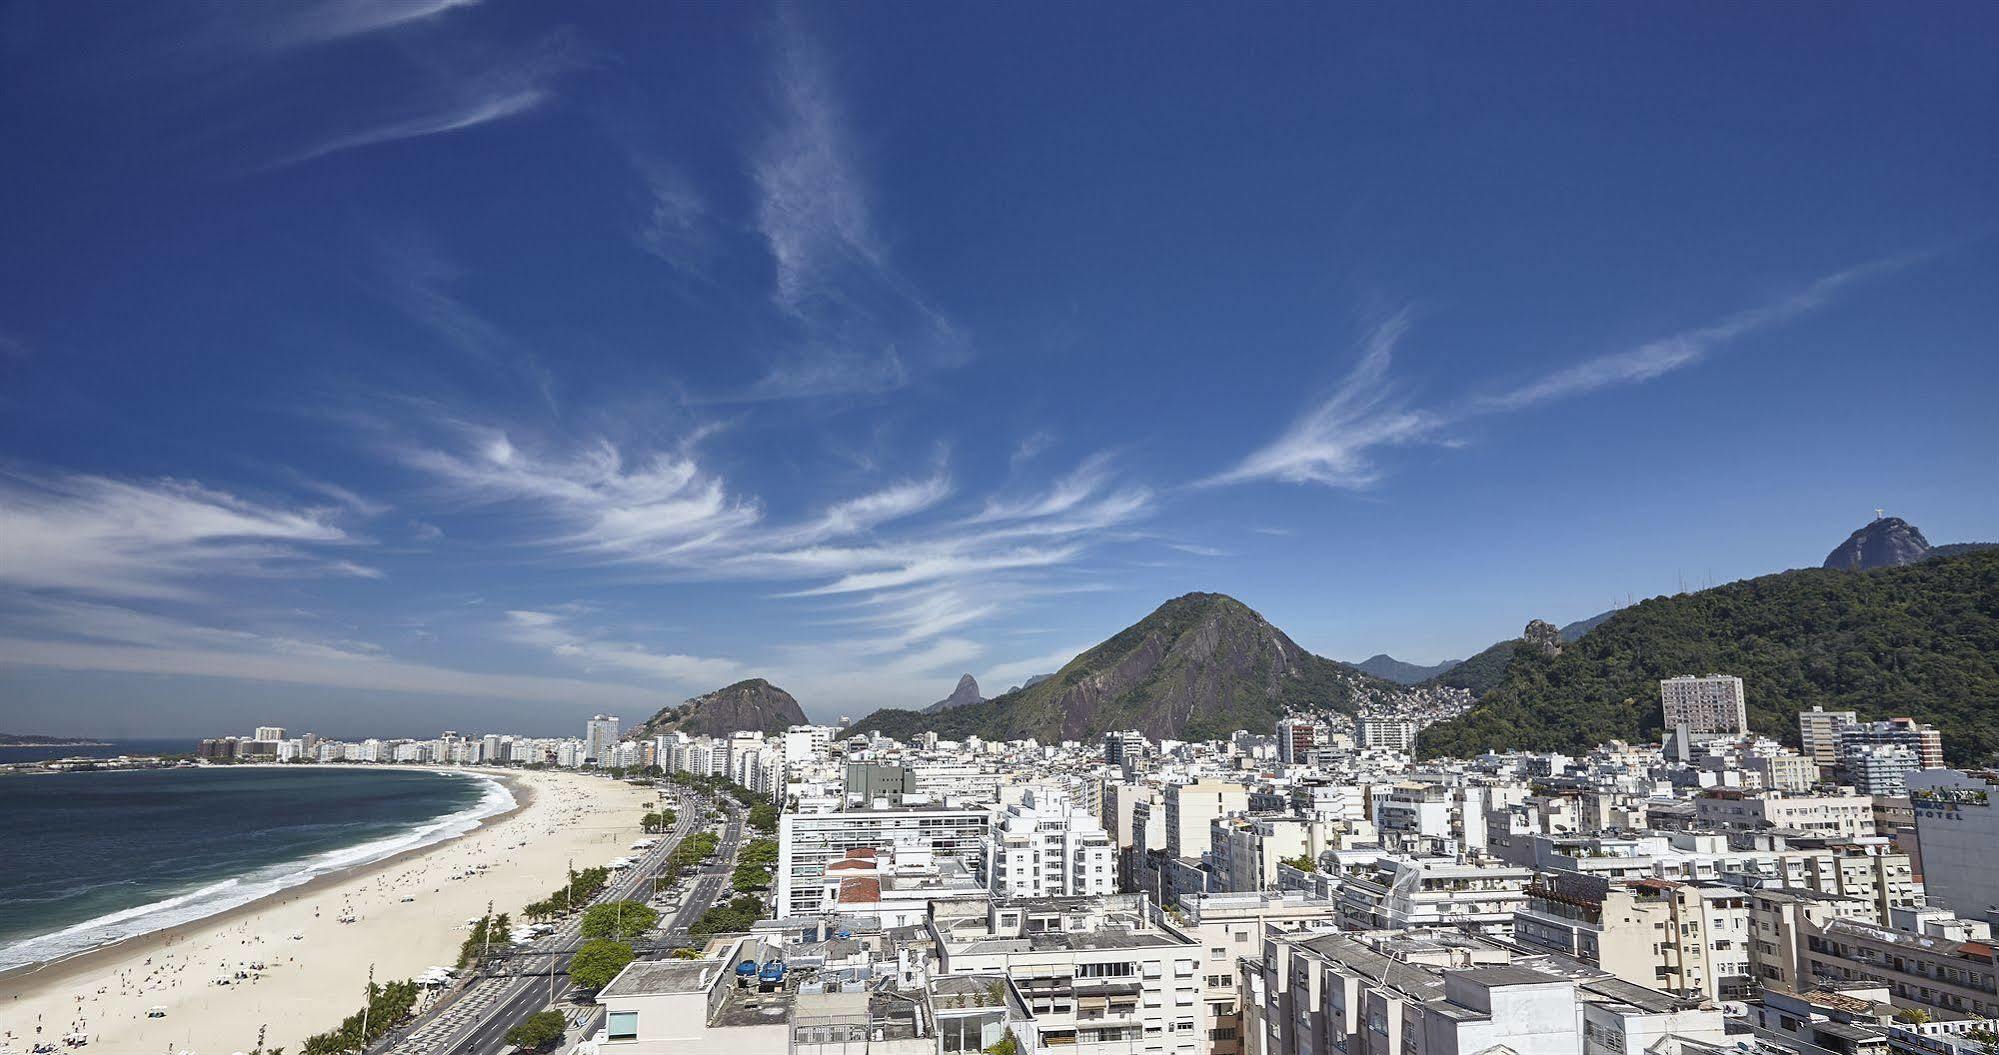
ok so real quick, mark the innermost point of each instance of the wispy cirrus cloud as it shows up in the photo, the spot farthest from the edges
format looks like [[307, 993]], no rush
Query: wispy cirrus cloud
[[499, 89], [66, 635], [451, 116], [1334, 443], [557, 633], [328, 20], [910, 566], [863, 327], [1337, 442], [155, 538]]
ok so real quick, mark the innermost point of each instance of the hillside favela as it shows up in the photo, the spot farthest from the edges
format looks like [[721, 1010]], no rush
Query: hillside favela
[[792, 528]]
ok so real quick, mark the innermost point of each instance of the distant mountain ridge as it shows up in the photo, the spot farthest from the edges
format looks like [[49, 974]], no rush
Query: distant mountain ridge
[[1383, 665], [1200, 666], [753, 705]]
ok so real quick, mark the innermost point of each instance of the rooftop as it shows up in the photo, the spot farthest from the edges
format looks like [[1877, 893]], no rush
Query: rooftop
[[658, 977]]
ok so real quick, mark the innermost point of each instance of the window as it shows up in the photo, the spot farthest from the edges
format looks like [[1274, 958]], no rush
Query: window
[[623, 1025]]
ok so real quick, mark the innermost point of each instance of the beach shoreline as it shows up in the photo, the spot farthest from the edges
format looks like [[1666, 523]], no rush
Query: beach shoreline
[[52, 972], [507, 858]]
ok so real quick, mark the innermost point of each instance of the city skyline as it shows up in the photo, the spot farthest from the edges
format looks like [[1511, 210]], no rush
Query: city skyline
[[453, 365]]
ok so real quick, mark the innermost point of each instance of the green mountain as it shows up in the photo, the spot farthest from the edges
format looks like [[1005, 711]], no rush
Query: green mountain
[[1479, 674], [747, 706], [1920, 640], [1200, 667]]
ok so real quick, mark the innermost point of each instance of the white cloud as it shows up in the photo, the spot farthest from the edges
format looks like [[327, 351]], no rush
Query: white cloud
[[812, 204], [909, 569], [79, 635], [451, 117], [305, 667], [943, 566], [604, 505], [675, 229], [96, 535], [556, 634], [865, 329], [327, 20], [1336, 443], [1682, 349]]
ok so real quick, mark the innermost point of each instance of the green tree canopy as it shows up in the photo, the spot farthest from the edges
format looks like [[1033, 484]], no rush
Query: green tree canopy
[[620, 920], [599, 961], [537, 1032]]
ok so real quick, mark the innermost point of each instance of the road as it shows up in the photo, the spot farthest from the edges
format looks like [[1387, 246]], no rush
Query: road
[[474, 1019]]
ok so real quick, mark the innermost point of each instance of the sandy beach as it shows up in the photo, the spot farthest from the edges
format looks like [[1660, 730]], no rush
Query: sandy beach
[[314, 965]]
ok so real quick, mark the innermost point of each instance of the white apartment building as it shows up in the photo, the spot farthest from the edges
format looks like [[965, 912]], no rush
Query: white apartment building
[[600, 738], [1231, 928], [1047, 846], [1104, 976], [1400, 892], [1191, 807], [807, 743], [807, 843], [1386, 732], [1847, 816], [1922, 741], [1439, 993], [1712, 703], [1878, 769]]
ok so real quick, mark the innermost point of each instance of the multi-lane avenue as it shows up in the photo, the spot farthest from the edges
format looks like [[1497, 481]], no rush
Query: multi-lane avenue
[[474, 1019]]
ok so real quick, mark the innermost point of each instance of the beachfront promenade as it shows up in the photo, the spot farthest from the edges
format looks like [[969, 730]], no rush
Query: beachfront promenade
[[473, 1018]]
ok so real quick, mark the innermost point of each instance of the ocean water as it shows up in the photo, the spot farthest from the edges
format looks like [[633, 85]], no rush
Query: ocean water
[[95, 858]]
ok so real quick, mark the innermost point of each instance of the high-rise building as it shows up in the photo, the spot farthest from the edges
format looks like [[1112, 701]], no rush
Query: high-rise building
[[1924, 742], [1190, 808], [1957, 827], [1121, 747], [1818, 733], [1049, 847], [1105, 974], [600, 739], [1713, 703], [808, 842], [270, 732], [1296, 737], [1387, 731]]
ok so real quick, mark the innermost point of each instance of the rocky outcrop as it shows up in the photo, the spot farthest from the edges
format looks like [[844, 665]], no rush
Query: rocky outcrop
[[1543, 636], [1888, 542], [747, 706], [966, 694]]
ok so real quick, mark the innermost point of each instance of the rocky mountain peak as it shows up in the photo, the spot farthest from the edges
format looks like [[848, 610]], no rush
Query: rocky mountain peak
[[966, 694], [1887, 542], [752, 705], [1543, 635]]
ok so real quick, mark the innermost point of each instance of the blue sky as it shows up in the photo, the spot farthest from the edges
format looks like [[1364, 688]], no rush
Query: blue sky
[[388, 366]]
